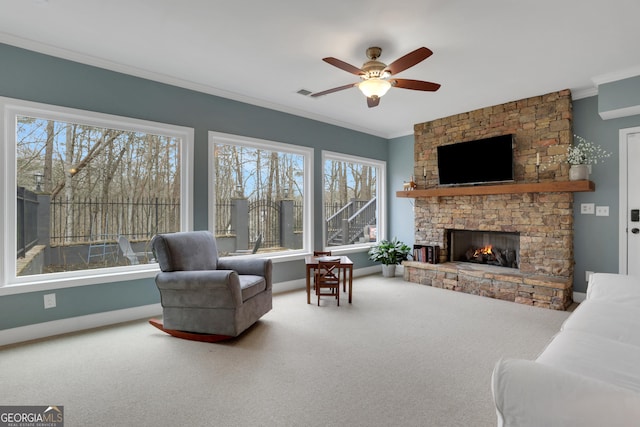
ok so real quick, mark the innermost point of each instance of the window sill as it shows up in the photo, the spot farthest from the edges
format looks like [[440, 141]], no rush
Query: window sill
[[71, 282], [344, 250]]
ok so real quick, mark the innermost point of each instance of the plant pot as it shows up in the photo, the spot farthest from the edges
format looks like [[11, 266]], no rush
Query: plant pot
[[578, 172], [388, 270]]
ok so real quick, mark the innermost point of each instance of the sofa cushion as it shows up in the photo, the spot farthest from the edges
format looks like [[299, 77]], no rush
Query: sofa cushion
[[251, 286], [617, 288], [596, 357], [530, 394], [619, 322]]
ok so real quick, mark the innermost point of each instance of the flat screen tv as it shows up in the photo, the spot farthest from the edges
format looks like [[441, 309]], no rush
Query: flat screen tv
[[481, 161]]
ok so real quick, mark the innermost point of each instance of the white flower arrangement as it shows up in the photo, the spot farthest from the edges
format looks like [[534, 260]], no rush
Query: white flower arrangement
[[585, 152]]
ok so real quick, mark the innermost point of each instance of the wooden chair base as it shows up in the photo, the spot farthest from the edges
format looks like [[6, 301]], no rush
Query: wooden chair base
[[193, 336]]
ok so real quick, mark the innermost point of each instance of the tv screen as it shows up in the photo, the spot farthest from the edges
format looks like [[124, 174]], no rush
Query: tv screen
[[476, 162]]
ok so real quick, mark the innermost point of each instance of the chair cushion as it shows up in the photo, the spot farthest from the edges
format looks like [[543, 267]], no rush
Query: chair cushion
[[186, 251], [251, 286]]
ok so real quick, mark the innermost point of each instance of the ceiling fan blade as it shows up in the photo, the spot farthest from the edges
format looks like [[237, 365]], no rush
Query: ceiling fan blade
[[373, 101], [414, 84], [343, 66], [335, 89], [409, 60]]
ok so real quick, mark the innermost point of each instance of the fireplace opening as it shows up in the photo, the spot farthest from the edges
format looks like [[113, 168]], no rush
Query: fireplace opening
[[484, 247]]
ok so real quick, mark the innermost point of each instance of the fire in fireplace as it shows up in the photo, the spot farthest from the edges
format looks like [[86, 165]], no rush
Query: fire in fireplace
[[484, 247]]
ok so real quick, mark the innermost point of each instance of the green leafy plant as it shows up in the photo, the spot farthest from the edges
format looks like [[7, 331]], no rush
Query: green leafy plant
[[389, 252], [585, 152]]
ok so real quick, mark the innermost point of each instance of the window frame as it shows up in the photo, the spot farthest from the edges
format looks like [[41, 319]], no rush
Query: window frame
[[381, 197], [11, 109], [307, 197]]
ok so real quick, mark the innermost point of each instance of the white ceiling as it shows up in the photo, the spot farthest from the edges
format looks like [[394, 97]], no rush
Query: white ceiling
[[262, 52]]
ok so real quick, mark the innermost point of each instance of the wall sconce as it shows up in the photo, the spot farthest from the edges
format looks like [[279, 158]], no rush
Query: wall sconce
[[39, 177]]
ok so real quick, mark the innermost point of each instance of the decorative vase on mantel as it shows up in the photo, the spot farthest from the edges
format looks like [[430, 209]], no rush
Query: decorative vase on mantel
[[578, 172]]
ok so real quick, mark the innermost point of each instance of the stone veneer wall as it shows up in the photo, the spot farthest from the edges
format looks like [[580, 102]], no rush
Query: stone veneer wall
[[542, 125]]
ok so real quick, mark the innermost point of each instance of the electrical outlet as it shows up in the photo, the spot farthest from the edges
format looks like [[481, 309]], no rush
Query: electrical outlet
[[602, 210], [588, 275], [587, 208], [49, 300]]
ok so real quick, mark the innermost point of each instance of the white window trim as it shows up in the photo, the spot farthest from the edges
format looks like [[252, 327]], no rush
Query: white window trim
[[9, 282], [307, 238], [381, 204]]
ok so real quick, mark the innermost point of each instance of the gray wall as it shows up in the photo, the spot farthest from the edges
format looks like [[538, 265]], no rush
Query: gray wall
[[400, 165], [596, 238], [616, 97], [36, 77]]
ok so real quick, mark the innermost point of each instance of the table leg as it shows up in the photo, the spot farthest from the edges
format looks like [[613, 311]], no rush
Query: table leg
[[350, 282], [308, 285]]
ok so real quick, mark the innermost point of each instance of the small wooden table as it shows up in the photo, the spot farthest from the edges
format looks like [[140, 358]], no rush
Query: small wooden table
[[346, 265]]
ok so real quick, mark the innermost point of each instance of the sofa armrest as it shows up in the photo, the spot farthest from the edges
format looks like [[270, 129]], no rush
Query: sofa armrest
[[615, 288], [254, 266], [185, 288], [530, 394]]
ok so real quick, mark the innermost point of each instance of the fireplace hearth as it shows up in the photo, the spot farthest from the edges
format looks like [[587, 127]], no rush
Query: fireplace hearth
[[484, 247]]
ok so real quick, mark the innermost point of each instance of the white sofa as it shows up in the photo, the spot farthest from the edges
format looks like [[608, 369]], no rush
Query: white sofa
[[589, 374]]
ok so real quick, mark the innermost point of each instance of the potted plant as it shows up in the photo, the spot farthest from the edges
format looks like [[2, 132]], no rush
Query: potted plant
[[581, 155], [390, 254]]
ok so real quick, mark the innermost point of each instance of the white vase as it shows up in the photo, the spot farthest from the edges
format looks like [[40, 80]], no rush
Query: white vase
[[578, 172], [388, 270]]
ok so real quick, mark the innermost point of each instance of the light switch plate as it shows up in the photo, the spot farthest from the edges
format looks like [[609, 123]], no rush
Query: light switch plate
[[587, 208], [602, 210]]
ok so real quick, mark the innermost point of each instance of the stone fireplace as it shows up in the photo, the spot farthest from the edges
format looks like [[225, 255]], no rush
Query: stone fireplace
[[533, 230]]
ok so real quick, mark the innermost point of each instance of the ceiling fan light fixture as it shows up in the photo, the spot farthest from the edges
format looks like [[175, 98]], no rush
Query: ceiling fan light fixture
[[374, 87]]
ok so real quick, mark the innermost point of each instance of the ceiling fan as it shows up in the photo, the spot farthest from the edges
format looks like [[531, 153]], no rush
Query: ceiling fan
[[375, 75]]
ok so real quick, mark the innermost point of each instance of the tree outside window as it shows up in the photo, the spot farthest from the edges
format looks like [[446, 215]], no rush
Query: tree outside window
[[259, 199], [91, 193]]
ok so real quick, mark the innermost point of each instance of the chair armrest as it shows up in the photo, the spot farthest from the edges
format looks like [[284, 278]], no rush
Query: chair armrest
[[254, 266], [531, 394], [201, 288]]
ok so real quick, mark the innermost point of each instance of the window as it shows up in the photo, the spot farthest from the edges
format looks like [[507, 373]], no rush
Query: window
[[260, 196], [92, 190], [353, 198]]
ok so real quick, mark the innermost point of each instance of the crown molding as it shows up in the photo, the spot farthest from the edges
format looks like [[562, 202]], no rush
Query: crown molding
[[90, 60], [616, 75], [583, 93]]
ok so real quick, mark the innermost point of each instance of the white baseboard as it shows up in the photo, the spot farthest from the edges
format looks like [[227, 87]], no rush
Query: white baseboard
[[75, 324], [579, 297]]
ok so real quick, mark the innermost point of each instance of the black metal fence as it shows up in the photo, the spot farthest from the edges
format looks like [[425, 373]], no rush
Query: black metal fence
[[87, 220], [27, 222], [223, 218], [264, 219], [90, 220], [298, 216]]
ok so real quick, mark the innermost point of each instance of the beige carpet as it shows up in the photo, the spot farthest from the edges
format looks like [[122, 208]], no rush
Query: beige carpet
[[401, 355]]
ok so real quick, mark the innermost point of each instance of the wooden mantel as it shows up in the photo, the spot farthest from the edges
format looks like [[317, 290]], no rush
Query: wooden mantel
[[478, 190]]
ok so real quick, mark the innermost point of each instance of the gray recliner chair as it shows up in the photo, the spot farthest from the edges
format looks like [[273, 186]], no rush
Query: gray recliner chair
[[201, 293]]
